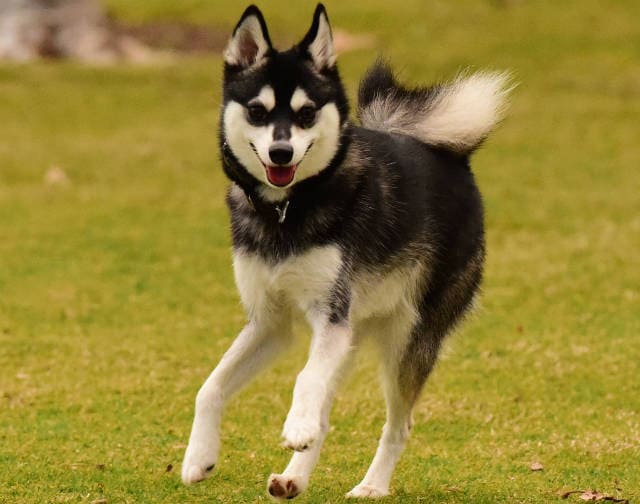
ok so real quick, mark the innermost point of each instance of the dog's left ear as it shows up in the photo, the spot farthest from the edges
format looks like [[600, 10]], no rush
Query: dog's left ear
[[318, 42]]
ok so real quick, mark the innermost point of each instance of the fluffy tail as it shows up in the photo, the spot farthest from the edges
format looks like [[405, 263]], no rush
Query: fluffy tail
[[457, 116]]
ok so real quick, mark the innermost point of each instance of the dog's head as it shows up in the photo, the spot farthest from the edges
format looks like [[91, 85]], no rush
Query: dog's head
[[283, 112]]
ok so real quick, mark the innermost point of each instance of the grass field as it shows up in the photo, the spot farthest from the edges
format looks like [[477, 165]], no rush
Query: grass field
[[117, 296]]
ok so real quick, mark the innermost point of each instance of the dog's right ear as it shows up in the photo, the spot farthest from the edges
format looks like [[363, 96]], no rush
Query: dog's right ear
[[250, 41]]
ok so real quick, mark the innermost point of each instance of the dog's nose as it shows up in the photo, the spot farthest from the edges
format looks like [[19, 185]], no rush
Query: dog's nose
[[281, 152]]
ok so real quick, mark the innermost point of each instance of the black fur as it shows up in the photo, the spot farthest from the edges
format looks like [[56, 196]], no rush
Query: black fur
[[380, 80]]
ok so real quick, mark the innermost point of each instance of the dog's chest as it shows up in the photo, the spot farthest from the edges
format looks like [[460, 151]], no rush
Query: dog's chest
[[305, 280]]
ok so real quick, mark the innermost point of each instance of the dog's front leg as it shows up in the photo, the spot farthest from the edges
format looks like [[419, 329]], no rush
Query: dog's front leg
[[331, 347], [308, 420], [256, 345], [295, 478]]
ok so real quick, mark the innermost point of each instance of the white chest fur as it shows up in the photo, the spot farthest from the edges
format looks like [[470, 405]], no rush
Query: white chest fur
[[304, 280]]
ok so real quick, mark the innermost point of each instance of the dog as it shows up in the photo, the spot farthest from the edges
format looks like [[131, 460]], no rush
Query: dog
[[370, 231]]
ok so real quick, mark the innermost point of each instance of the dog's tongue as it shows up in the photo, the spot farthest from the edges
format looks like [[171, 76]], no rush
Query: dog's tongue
[[281, 175]]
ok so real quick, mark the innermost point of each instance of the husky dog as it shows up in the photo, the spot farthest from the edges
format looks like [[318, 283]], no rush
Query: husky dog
[[369, 231]]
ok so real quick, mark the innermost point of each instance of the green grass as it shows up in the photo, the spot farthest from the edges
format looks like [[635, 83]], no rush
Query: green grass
[[117, 296]]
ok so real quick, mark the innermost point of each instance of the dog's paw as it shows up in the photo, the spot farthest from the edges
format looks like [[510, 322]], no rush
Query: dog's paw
[[199, 461], [282, 486], [195, 473], [367, 492], [300, 434]]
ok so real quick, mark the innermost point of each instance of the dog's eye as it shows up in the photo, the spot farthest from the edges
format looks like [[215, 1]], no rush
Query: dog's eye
[[257, 114], [306, 116]]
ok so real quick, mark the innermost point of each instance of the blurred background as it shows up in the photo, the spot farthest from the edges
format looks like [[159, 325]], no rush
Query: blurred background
[[116, 289]]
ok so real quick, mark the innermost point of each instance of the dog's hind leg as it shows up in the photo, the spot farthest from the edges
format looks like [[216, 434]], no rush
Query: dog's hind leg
[[257, 344], [404, 370]]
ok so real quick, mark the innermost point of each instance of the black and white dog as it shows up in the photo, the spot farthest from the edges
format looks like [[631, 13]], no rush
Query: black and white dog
[[371, 231]]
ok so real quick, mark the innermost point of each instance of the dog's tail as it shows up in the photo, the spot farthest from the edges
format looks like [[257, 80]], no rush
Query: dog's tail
[[457, 116]]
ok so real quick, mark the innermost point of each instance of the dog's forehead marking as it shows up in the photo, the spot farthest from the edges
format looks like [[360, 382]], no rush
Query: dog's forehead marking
[[299, 99], [266, 97]]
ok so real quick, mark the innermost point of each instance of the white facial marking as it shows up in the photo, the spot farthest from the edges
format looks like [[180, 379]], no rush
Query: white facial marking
[[313, 148], [266, 97], [299, 99], [325, 137], [241, 136]]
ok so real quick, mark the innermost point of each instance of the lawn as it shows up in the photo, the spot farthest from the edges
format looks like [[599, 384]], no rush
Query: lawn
[[117, 295]]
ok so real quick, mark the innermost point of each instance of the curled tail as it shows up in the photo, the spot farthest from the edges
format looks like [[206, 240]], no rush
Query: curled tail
[[457, 115]]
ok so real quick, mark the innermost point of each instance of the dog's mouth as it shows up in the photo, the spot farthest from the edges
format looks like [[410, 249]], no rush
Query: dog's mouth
[[281, 175]]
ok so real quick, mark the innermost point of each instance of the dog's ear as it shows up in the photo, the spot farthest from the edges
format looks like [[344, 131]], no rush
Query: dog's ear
[[318, 42], [250, 41]]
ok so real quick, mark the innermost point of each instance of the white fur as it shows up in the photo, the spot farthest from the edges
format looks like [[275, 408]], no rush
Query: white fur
[[274, 194], [248, 45], [266, 98], [321, 49], [303, 281], [330, 350], [465, 111], [299, 99]]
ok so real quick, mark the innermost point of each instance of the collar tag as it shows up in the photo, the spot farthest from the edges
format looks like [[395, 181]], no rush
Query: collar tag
[[282, 212]]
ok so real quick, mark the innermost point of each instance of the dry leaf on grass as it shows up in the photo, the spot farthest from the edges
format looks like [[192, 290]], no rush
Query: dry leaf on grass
[[592, 495], [56, 176]]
